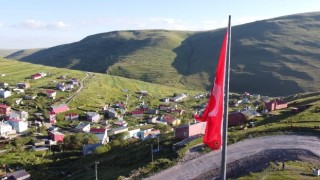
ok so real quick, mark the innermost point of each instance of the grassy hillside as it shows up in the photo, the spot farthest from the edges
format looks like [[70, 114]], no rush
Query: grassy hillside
[[274, 57], [99, 89]]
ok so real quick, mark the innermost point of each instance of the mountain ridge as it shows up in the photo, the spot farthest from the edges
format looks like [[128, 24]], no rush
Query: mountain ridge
[[274, 57]]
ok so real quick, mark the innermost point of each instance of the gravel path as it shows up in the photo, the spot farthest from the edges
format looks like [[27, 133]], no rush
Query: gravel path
[[245, 156]]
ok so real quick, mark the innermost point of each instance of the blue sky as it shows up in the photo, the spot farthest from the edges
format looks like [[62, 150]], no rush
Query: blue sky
[[46, 23]]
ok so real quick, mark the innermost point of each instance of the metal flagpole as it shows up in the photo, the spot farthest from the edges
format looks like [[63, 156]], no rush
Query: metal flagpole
[[223, 169]]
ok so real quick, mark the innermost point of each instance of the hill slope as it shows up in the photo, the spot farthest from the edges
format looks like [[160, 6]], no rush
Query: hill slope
[[273, 57], [6, 52]]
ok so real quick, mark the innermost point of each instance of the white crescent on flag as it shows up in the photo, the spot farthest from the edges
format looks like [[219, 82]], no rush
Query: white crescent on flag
[[216, 94]]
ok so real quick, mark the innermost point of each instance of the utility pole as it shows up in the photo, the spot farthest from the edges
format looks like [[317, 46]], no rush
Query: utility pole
[[151, 153], [96, 168], [158, 145]]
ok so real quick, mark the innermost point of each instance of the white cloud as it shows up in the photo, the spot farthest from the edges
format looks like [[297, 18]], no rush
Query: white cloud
[[36, 24], [1, 24], [136, 23]]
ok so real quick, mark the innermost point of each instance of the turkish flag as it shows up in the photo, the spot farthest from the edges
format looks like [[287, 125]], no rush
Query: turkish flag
[[213, 113]]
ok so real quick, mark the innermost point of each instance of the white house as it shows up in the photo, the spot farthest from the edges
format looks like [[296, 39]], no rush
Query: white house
[[51, 93], [4, 93], [112, 113], [83, 126], [149, 134], [101, 133], [179, 97], [18, 125], [6, 128], [93, 117], [3, 85], [118, 130], [133, 133], [18, 115]]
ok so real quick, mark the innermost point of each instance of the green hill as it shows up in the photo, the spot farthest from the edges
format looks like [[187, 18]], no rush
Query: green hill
[[98, 90], [273, 57]]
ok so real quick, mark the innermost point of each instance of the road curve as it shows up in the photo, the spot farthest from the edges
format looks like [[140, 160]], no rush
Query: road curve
[[193, 168], [78, 91]]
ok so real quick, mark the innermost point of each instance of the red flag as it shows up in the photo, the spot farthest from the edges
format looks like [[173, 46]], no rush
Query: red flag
[[213, 113]]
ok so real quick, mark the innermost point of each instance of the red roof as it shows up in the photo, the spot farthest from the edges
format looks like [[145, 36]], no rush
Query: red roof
[[137, 112], [50, 91], [36, 75], [59, 108], [97, 130], [3, 106], [168, 118]]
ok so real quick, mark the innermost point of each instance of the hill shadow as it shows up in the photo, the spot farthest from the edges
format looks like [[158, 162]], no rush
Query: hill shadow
[[262, 69]]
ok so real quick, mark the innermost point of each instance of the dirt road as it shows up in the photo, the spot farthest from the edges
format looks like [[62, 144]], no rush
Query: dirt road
[[250, 147]]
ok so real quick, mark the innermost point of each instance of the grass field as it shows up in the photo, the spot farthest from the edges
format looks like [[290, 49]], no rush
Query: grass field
[[293, 170]]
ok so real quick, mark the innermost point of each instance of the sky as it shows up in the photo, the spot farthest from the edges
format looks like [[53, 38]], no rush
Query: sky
[[28, 24]]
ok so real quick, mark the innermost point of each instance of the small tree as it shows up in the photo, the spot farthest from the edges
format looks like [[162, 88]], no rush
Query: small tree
[[163, 128], [102, 149]]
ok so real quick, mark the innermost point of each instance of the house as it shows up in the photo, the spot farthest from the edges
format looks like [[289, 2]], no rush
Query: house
[[119, 105], [61, 86], [43, 74], [177, 111], [236, 119], [149, 134], [152, 111], [173, 121], [189, 130], [133, 133], [56, 136], [36, 76], [59, 108], [5, 93], [250, 113], [18, 115], [23, 85], [101, 133], [178, 97], [83, 127], [166, 100], [4, 110], [18, 101], [29, 97], [112, 113], [3, 85], [18, 125], [51, 93], [90, 148], [137, 114], [18, 91], [71, 116], [93, 117], [18, 175], [6, 128], [121, 123], [156, 120], [62, 77], [275, 105], [164, 107], [52, 117], [74, 82], [69, 87], [118, 130]]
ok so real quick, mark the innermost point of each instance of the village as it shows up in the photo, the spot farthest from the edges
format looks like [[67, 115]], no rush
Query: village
[[52, 122]]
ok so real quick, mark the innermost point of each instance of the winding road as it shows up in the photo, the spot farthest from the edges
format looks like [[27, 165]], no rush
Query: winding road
[[205, 163], [80, 88]]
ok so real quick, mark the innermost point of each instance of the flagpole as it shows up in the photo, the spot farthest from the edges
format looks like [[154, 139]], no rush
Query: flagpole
[[223, 169]]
